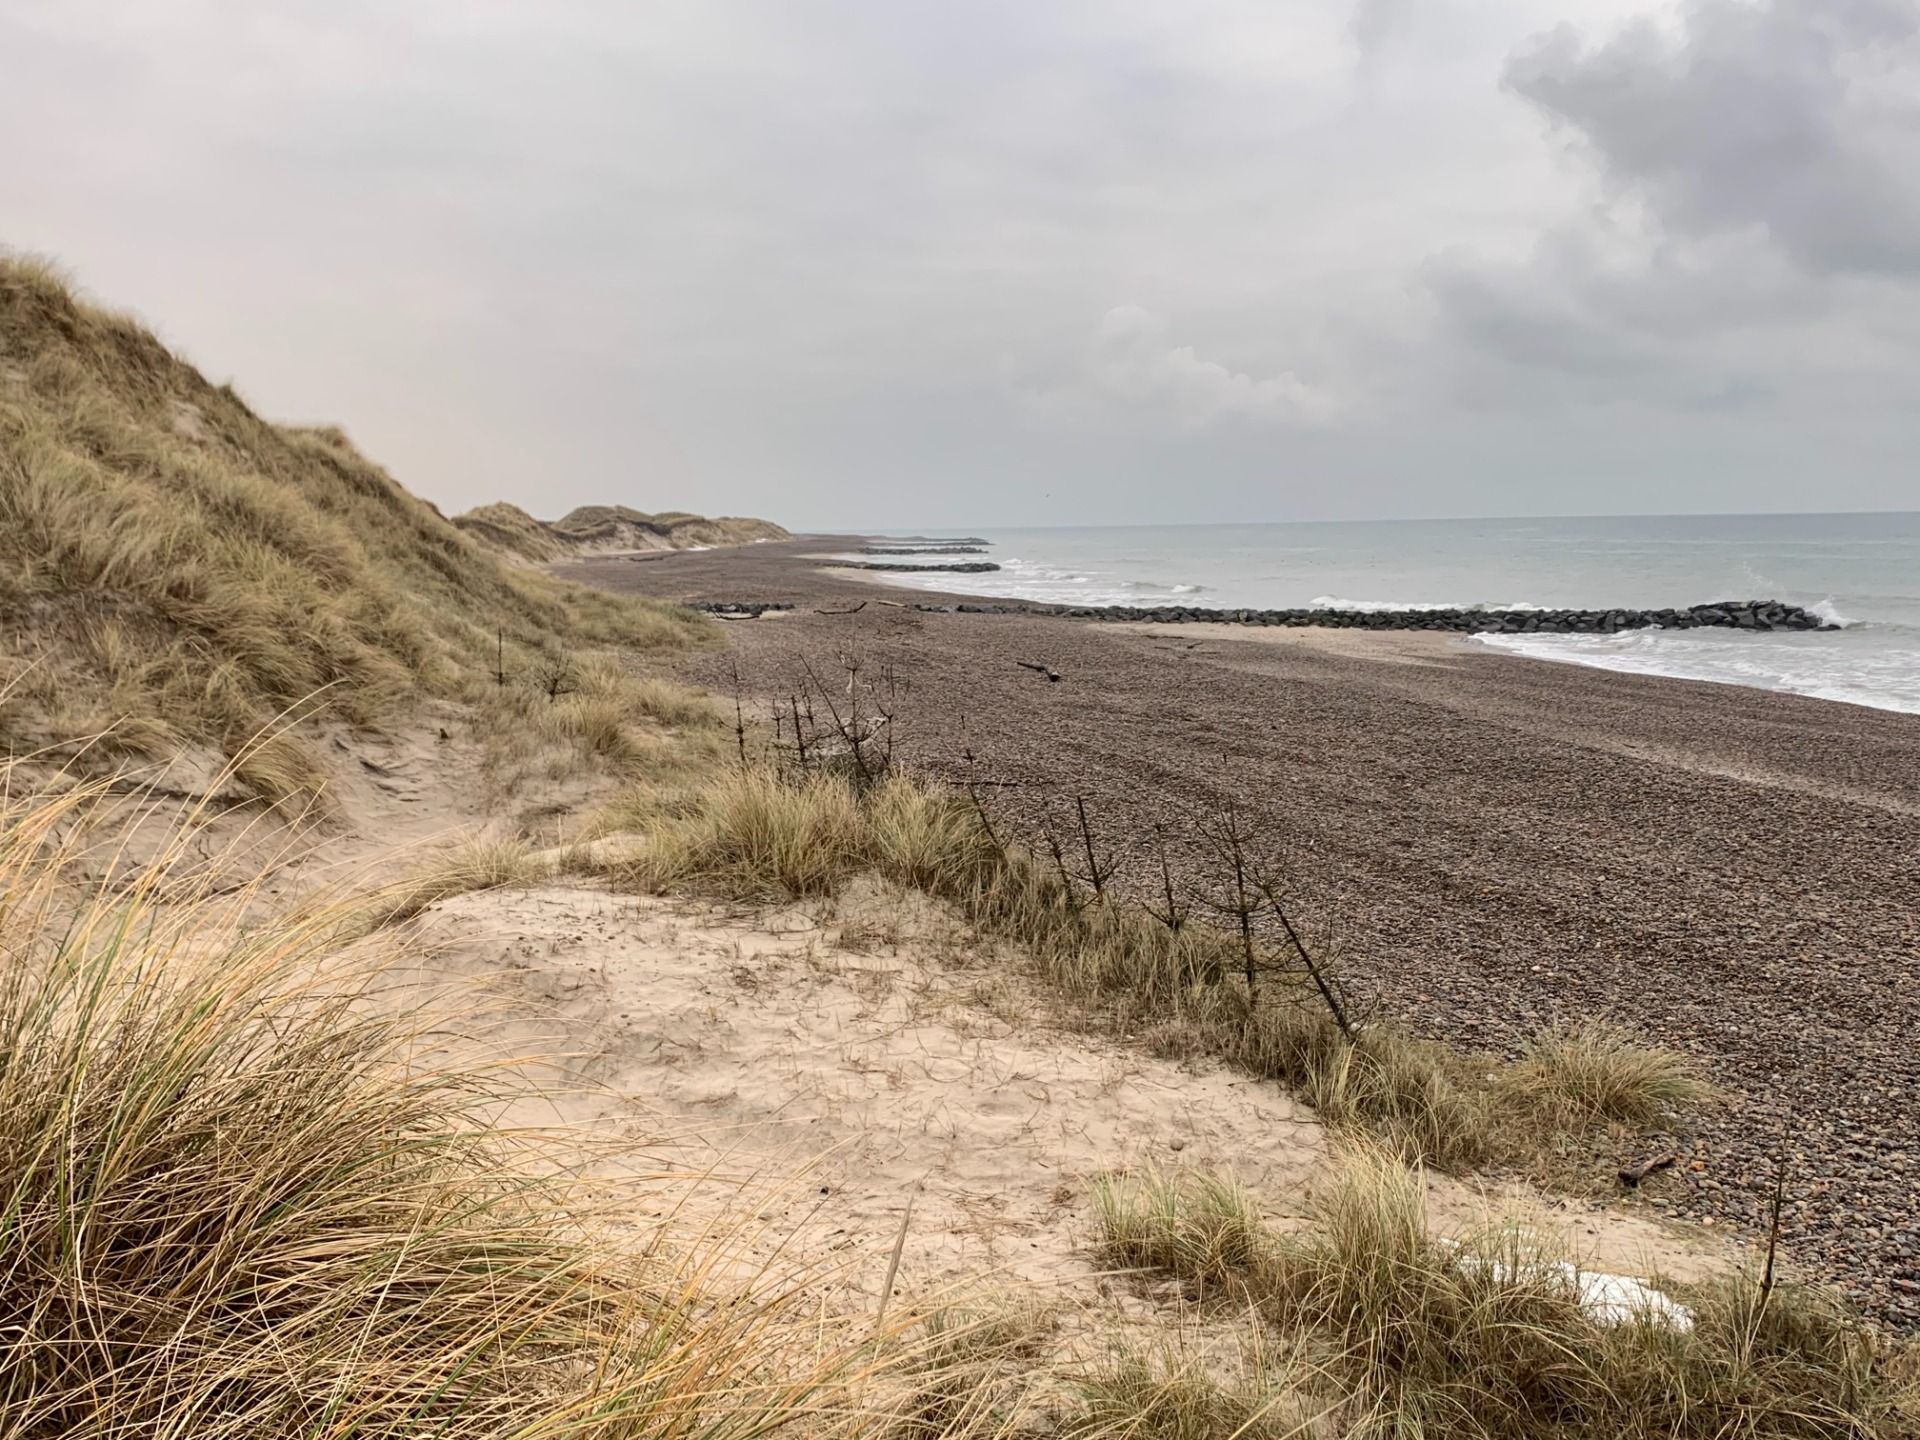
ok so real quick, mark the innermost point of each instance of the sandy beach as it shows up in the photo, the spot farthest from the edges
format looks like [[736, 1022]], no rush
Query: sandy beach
[[1498, 842]]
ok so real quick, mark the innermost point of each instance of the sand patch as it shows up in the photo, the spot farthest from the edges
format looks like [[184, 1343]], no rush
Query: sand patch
[[812, 1071], [827, 1074], [1392, 647]]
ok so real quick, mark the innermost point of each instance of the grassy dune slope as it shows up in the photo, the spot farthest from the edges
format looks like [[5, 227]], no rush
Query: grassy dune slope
[[176, 568]]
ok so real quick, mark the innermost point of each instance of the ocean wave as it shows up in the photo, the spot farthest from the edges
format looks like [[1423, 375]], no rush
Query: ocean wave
[[1830, 613], [1824, 667]]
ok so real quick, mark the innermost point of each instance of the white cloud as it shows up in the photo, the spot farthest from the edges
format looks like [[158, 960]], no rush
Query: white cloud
[[1131, 367]]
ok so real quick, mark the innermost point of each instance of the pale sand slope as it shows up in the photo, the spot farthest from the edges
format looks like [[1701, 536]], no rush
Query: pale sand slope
[[795, 1076], [812, 1072], [804, 1072]]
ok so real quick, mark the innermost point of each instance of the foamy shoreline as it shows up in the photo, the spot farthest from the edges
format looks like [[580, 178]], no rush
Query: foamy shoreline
[[1854, 668]]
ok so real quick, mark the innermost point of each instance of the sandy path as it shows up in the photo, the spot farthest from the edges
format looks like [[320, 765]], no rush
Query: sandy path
[[810, 1071]]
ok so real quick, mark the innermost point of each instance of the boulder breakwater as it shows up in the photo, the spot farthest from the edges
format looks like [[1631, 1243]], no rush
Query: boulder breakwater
[[967, 567], [1759, 615], [921, 550]]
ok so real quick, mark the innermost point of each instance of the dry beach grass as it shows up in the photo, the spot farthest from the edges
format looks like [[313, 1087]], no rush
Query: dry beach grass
[[1486, 1334], [176, 571], [244, 1194]]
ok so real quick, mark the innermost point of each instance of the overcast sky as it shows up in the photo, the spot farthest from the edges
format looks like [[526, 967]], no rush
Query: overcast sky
[[900, 263]]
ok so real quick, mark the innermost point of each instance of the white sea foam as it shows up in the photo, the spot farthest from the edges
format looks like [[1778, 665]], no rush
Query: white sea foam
[[1862, 566], [1851, 667], [1830, 614]]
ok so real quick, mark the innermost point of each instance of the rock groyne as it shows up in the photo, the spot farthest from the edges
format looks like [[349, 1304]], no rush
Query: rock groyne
[[1726, 614], [969, 567], [921, 550], [1757, 615]]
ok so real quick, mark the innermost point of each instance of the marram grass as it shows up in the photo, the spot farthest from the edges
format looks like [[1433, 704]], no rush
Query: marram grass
[[175, 570], [1484, 1337], [238, 1198]]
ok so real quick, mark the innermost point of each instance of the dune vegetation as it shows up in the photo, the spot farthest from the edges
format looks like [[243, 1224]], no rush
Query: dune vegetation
[[238, 1202], [176, 571], [1397, 1331]]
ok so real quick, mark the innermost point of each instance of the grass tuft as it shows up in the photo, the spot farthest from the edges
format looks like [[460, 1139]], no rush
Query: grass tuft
[[486, 864], [1487, 1336], [1205, 1228], [1601, 1071]]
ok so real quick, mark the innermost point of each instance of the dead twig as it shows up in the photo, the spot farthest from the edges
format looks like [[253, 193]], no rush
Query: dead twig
[[556, 676], [973, 794], [1059, 862], [1321, 981], [1096, 873], [1773, 1227], [1174, 915], [1046, 670], [739, 715], [893, 1264], [1229, 838], [848, 610], [799, 731]]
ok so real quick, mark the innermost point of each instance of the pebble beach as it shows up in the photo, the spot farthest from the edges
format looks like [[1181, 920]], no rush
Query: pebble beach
[[1499, 843]]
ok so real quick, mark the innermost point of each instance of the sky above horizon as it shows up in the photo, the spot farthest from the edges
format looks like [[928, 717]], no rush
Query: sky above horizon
[[905, 264]]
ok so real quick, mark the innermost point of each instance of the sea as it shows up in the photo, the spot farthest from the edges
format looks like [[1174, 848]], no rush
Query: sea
[[1860, 571]]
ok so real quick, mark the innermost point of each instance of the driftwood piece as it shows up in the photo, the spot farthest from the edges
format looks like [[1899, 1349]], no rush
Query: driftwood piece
[[729, 615], [1046, 670], [846, 610], [893, 604], [1632, 1175]]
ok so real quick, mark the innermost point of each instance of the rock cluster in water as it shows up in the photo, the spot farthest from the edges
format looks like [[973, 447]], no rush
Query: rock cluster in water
[[968, 567], [1726, 614], [921, 550]]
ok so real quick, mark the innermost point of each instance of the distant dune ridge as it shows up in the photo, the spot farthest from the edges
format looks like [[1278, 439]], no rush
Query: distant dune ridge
[[605, 530]]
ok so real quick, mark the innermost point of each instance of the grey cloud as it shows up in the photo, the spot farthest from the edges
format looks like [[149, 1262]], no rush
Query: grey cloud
[[1515, 336], [1796, 116], [1375, 22], [1754, 237]]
